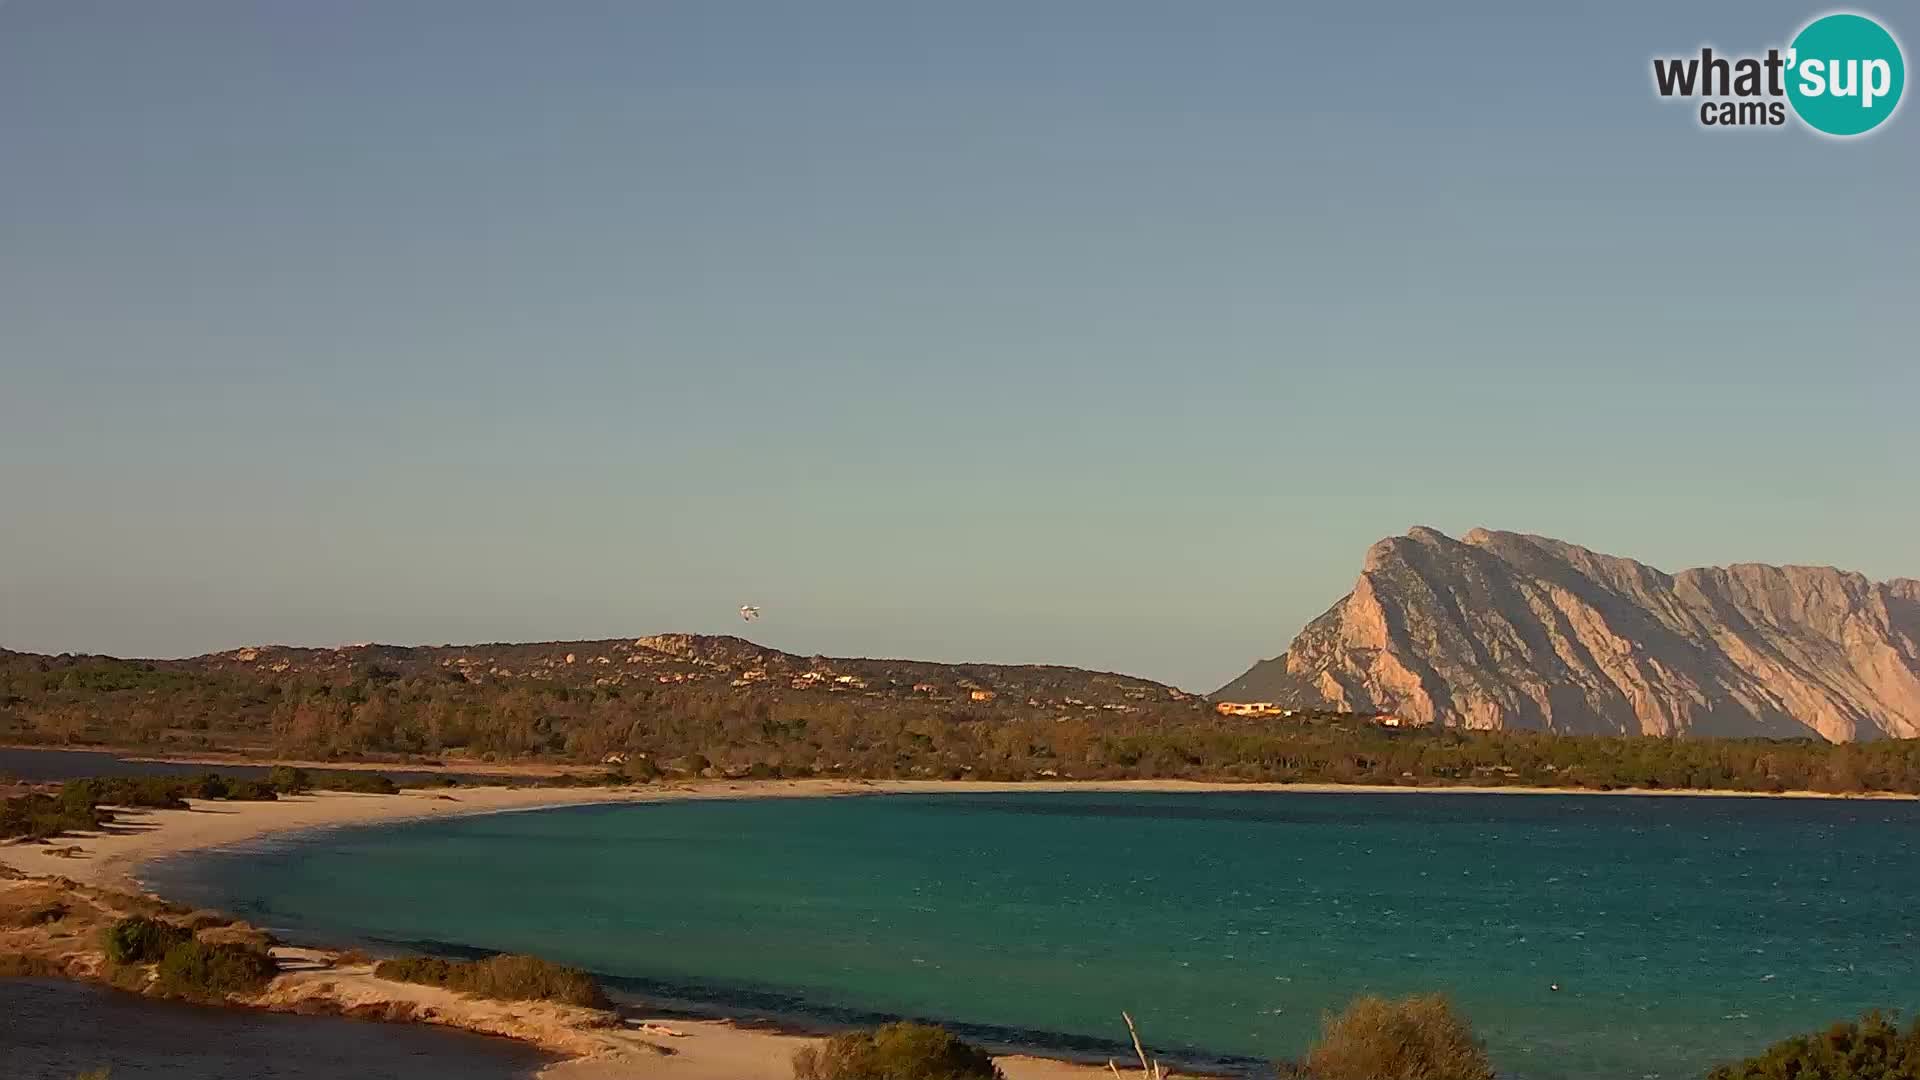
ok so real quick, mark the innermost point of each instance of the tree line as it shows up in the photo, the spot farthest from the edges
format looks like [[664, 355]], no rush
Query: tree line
[[717, 730]]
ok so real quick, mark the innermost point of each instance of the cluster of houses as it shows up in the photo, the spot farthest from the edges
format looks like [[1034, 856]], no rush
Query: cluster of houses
[[974, 692], [1250, 708], [806, 680], [1269, 708], [670, 669]]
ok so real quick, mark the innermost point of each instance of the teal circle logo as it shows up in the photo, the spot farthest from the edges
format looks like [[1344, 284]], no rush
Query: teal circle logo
[[1845, 74]]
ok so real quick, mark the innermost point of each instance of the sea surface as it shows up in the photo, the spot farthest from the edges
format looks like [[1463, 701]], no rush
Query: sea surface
[[1679, 931], [56, 1030]]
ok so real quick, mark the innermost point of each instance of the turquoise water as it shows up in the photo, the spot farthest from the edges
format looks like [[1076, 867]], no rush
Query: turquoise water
[[1681, 931]]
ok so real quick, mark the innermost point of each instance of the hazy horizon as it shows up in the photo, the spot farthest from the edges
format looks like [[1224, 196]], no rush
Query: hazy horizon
[[1106, 335]]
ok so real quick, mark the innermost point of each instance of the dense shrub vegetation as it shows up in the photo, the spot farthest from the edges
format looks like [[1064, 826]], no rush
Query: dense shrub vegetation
[[503, 978], [1414, 1038], [683, 729], [35, 816], [289, 780], [155, 792], [1871, 1048], [369, 783], [138, 939], [188, 967], [895, 1052], [196, 969], [79, 804], [215, 786]]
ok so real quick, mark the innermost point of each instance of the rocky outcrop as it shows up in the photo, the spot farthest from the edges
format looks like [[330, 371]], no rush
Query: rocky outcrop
[[1506, 630]]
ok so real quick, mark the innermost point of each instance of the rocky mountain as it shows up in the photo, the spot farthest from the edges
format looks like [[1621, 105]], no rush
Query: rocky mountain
[[1506, 630]]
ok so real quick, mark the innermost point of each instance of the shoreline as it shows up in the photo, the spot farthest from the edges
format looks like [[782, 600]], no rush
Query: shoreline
[[486, 775], [650, 1041], [112, 858], [698, 1048]]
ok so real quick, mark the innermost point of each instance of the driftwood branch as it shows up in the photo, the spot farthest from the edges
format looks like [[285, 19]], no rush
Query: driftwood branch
[[1148, 1067]]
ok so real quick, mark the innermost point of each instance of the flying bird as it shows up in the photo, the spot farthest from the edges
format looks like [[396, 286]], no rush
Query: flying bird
[[748, 612]]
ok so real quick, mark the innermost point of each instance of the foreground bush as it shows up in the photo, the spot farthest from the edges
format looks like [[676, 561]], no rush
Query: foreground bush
[[138, 939], [153, 792], [43, 817], [353, 780], [895, 1052], [503, 978], [1871, 1048], [288, 780], [196, 969], [1414, 1038], [215, 786], [78, 804]]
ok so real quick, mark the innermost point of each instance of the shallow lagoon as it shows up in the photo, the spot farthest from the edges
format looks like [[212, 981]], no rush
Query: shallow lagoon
[[1681, 930]]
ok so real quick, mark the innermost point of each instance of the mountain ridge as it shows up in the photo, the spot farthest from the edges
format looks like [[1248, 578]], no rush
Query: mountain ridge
[[1504, 629], [717, 660]]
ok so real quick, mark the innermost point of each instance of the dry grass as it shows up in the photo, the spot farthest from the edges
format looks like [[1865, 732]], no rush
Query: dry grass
[[32, 904], [902, 1049], [1413, 1038], [29, 966], [123, 903]]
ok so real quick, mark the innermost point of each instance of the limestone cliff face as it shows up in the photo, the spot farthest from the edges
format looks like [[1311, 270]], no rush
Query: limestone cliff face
[[1505, 630]]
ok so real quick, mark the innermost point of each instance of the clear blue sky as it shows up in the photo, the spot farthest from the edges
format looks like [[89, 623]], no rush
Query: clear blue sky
[[1100, 333]]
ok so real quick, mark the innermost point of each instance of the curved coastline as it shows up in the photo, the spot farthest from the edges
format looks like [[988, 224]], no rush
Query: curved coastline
[[651, 1045], [169, 872], [113, 859], [700, 1048], [668, 1002]]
